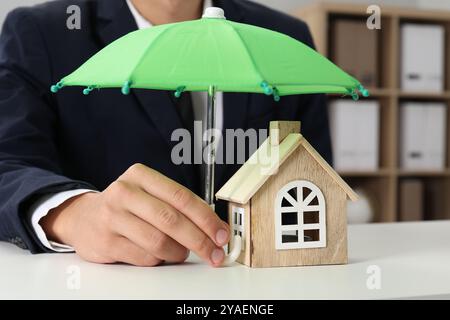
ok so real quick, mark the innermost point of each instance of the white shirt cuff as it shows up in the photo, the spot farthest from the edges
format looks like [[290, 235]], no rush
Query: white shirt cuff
[[42, 207]]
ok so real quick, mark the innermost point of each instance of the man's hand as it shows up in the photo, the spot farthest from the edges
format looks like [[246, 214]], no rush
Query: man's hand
[[143, 218]]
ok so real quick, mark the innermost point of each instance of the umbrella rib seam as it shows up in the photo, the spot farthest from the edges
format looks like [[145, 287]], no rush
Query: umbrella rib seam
[[145, 53], [258, 72]]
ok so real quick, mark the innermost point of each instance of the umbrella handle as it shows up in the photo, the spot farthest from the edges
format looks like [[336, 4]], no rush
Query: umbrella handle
[[209, 177], [210, 124], [234, 252]]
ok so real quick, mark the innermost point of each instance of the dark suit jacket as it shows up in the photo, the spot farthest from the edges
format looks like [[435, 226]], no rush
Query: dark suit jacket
[[52, 143]]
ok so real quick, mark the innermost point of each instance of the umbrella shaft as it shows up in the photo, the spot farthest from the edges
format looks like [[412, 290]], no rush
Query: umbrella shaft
[[211, 150]]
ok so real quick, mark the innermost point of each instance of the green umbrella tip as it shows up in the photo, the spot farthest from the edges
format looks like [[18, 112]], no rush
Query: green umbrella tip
[[276, 95], [55, 88], [88, 90], [179, 91], [126, 88], [363, 91], [268, 90], [354, 94]]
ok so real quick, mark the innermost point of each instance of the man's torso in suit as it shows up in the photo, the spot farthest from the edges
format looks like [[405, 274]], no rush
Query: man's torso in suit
[[51, 143]]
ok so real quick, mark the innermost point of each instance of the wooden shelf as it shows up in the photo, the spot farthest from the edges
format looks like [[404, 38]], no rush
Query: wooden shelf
[[380, 92], [395, 172], [378, 173], [414, 173], [424, 95], [383, 184]]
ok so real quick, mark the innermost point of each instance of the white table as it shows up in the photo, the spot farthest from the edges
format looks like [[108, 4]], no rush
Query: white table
[[414, 260]]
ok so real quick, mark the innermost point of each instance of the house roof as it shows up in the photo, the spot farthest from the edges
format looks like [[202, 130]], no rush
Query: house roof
[[264, 163]]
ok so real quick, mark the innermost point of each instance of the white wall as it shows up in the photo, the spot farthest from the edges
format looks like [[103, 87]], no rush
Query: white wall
[[285, 5], [435, 4], [8, 5]]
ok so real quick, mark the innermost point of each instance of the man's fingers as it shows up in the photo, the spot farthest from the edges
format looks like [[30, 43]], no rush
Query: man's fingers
[[182, 199], [149, 238], [127, 252], [174, 224]]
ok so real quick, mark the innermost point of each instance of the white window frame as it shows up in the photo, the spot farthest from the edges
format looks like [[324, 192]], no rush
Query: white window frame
[[301, 207], [238, 223]]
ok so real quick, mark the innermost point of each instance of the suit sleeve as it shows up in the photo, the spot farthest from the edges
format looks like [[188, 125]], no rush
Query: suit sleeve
[[29, 164], [313, 113]]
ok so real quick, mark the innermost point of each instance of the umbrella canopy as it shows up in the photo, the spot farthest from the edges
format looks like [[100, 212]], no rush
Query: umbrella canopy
[[211, 54], [195, 55]]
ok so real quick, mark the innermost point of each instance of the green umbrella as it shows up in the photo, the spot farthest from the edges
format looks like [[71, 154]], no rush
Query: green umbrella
[[212, 54]]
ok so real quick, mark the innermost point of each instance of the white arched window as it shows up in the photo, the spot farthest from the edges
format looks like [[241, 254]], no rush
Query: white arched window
[[238, 227], [300, 216]]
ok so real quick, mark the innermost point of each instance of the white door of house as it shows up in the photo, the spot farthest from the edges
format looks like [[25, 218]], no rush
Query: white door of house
[[300, 216]]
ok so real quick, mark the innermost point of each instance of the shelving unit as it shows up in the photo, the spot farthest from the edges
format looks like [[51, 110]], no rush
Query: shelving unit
[[383, 184]]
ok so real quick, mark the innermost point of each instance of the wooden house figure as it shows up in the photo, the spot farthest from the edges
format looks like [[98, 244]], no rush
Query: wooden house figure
[[288, 204]]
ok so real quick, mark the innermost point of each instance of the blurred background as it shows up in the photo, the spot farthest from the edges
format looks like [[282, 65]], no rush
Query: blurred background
[[393, 148]]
